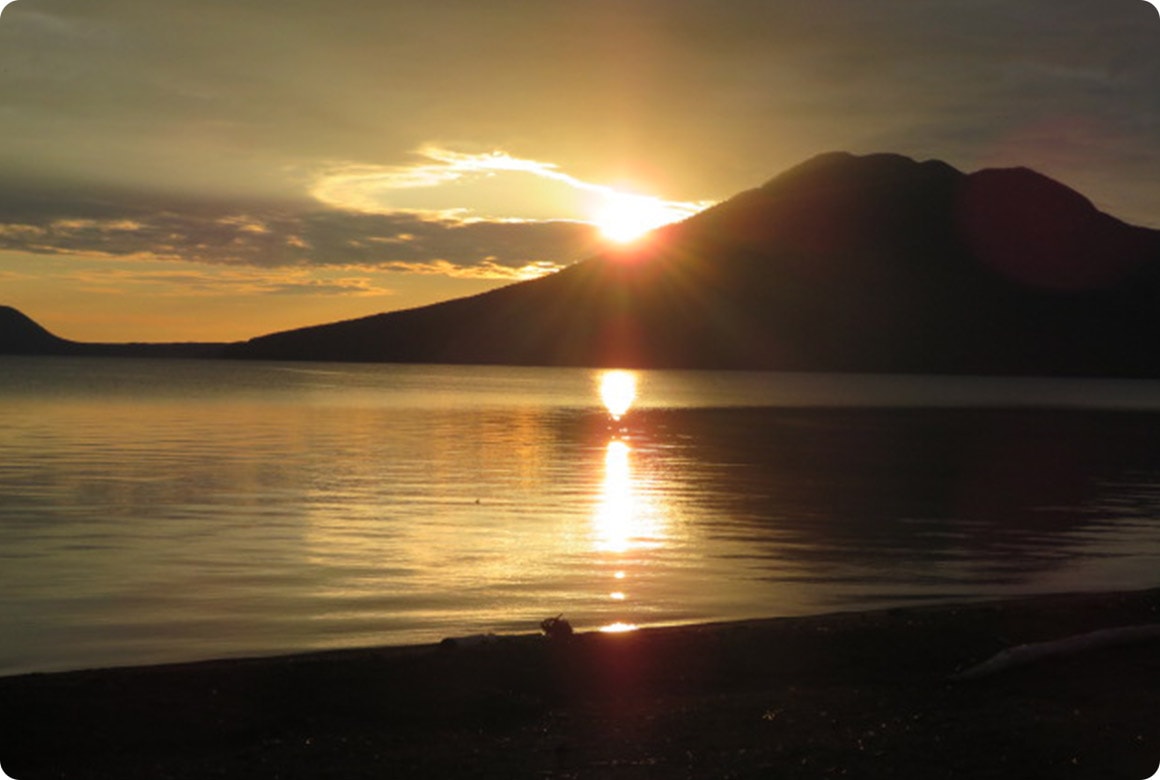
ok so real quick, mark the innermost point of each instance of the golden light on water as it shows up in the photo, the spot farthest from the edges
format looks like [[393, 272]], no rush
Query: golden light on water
[[614, 519], [626, 518], [618, 628], [618, 391]]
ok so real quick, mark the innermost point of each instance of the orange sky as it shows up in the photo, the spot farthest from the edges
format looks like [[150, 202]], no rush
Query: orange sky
[[213, 170]]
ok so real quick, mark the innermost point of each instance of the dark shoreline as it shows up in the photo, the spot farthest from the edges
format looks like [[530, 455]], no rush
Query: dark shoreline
[[865, 695]]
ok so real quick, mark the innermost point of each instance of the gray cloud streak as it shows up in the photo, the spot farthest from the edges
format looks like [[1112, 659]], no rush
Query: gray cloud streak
[[266, 235]]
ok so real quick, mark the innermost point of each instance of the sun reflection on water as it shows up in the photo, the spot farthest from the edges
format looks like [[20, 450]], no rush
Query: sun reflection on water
[[625, 520], [618, 391], [628, 525]]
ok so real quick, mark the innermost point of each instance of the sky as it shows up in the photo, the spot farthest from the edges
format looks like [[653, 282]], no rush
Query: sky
[[214, 170]]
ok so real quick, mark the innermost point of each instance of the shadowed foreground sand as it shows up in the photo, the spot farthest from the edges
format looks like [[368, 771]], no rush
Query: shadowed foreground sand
[[860, 695]]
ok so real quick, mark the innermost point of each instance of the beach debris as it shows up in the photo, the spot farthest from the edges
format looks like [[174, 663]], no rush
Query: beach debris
[[556, 627], [471, 640], [1029, 653]]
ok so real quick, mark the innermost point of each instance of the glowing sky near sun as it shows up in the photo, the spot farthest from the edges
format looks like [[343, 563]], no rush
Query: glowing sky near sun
[[212, 169], [458, 187]]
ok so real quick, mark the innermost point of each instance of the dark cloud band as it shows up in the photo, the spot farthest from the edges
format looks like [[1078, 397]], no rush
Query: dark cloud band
[[268, 236]]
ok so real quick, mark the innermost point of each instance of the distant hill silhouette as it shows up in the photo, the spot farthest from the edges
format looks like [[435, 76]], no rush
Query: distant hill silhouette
[[843, 263], [20, 335]]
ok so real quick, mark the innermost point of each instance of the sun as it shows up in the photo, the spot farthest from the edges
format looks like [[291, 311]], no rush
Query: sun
[[624, 217]]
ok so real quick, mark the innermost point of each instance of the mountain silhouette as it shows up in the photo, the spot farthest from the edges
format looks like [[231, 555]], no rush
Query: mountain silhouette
[[843, 263], [20, 335]]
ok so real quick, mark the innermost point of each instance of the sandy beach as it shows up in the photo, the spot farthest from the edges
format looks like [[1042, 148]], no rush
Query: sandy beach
[[865, 695]]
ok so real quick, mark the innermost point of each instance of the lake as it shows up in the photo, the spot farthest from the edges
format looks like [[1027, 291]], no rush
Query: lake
[[155, 511]]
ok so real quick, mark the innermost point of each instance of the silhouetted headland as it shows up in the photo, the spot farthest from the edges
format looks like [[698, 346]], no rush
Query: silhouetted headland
[[844, 263], [20, 335]]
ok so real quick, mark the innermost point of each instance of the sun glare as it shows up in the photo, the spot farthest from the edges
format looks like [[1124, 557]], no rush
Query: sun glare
[[624, 218], [618, 391]]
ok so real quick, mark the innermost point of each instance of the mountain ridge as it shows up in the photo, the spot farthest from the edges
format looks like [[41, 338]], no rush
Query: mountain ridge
[[841, 263]]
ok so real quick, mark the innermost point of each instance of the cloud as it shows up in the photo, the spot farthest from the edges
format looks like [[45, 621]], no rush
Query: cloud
[[301, 235], [487, 269], [446, 167], [480, 248], [196, 281], [454, 186], [226, 238], [455, 214]]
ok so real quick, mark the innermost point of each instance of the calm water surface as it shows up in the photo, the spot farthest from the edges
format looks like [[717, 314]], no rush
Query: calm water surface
[[158, 511]]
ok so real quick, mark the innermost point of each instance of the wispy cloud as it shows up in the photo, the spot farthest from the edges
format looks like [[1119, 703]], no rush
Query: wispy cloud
[[203, 281], [454, 186], [455, 214], [260, 235], [489, 268]]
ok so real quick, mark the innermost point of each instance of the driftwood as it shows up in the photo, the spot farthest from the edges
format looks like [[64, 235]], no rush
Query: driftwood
[[1036, 651]]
